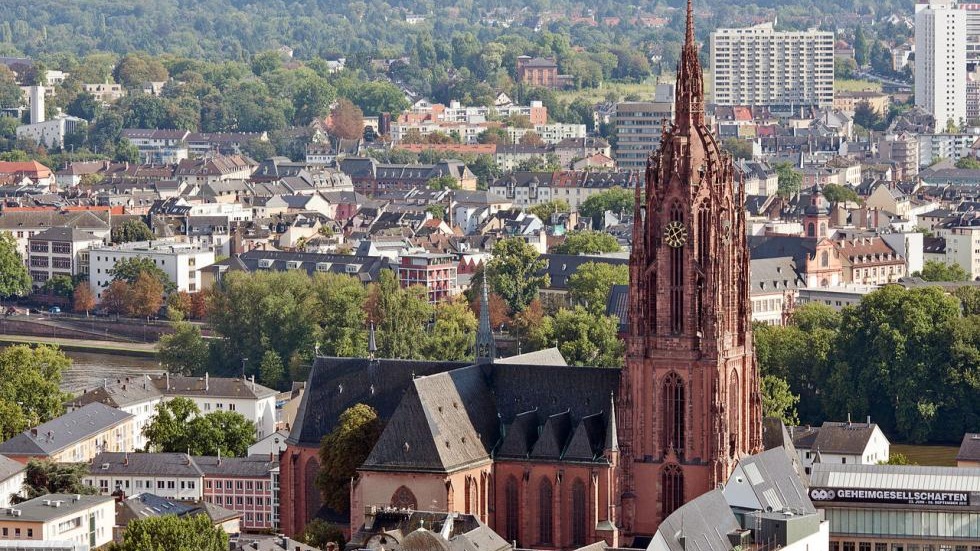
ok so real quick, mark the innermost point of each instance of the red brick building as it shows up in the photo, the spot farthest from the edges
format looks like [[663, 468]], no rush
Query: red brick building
[[542, 72], [558, 457]]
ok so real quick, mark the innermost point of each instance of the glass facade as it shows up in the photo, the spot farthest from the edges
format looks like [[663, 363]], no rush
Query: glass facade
[[888, 523]]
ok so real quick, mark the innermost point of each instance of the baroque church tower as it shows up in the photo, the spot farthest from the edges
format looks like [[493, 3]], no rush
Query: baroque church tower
[[689, 400]]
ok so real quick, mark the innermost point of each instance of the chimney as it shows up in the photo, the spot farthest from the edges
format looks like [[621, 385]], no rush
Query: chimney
[[869, 420], [34, 432], [207, 382], [168, 380], [126, 459], [848, 418], [252, 379]]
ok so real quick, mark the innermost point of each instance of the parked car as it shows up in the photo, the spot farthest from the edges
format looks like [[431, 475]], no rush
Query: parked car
[[54, 310]]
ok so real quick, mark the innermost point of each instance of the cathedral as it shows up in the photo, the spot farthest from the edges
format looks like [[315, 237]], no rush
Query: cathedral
[[559, 457]]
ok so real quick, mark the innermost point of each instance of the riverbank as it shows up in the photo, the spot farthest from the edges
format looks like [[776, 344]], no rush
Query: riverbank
[[142, 350]]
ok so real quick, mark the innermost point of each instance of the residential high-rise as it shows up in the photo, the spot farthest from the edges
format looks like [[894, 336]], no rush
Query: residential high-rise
[[761, 66], [639, 125], [940, 62]]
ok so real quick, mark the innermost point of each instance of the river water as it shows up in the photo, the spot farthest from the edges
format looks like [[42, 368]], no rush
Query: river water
[[90, 370]]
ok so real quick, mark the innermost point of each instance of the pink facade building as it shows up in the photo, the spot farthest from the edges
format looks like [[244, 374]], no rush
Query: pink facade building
[[245, 485]]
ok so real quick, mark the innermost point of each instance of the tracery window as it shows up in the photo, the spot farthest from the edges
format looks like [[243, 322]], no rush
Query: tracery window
[[545, 510], [672, 487], [673, 413]]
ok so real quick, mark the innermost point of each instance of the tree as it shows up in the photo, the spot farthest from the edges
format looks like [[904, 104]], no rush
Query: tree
[[895, 458], [60, 285], [131, 230], [84, 301], [178, 426], [934, 270], [970, 299], [343, 450], [117, 297], [346, 120], [587, 339], [740, 149], [42, 477], [778, 401], [532, 139], [178, 305], [271, 370], [401, 315], [790, 180], [172, 533], [615, 199], [493, 135], [30, 392], [129, 270], [320, 533], [970, 163], [135, 69], [183, 351], [512, 272], [453, 335], [446, 181], [592, 282], [868, 117], [145, 296], [546, 209], [836, 193], [341, 299], [14, 279], [587, 242], [861, 47], [11, 96]]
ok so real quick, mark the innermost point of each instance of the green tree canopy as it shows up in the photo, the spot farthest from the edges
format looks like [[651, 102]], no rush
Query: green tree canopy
[[14, 279], [131, 230], [587, 339], [513, 272], [453, 336], [546, 209], [30, 392], [129, 270], [178, 426], [184, 351], [778, 401], [836, 193], [587, 242], [971, 163], [934, 270], [616, 199], [44, 477], [446, 181], [790, 180], [172, 533], [343, 450], [592, 283], [401, 316]]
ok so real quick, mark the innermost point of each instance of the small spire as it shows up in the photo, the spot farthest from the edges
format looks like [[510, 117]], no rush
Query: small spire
[[612, 439], [690, 81], [372, 343], [486, 348]]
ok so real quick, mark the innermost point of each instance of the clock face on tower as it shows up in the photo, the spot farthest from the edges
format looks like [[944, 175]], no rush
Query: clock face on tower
[[675, 234]]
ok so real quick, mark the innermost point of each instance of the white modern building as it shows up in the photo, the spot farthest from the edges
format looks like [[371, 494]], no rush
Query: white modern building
[[761, 66], [137, 396], [940, 61], [59, 251], [51, 134], [962, 247], [169, 475], [182, 262], [841, 443], [85, 521]]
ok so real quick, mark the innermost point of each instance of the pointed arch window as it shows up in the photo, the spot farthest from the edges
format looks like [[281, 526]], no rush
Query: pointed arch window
[[673, 402], [672, 488], [472, 497], [734, 408], [313, 497], [546, 512], [579, 513], [512, 510], [677, 277], [824, 259], [403, 498]]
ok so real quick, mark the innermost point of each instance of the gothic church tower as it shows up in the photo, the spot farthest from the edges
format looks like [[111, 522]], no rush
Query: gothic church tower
[[690, 401]]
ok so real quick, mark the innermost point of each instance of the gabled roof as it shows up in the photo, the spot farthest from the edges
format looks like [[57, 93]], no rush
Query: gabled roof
[[119, 394], [9, 468], [64, 234], [61, 432], [144, 464], [252, 466], [702, 524], [220, 387], [840, 438], [969, 448]]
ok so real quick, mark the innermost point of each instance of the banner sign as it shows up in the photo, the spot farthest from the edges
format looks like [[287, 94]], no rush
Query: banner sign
[[904, 497]]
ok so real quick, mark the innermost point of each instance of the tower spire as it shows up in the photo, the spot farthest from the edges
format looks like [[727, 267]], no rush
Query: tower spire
[[372, 343], [486, 348], [690, 81]]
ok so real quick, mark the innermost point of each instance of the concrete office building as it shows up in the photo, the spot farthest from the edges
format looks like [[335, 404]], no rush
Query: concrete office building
[[639, 125], [761, 66], [181, 262], [940, 61]]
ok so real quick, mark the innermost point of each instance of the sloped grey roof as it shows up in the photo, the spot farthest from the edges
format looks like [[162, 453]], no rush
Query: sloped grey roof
[[775, 482], [35, 509], [67, 430], [119, 393], [844, 438], [547, 356], [704, 523], [253, 466], [9, 467], [64, 234], [969, 448], [144, 464], [221, 387]]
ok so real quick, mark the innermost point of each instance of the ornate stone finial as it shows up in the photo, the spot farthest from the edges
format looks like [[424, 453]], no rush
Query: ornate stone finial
[[372, 343], [486, 347]]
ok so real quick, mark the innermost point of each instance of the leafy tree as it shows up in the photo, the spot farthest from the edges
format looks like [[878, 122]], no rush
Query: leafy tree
[[341, 300], [346, 120], [319, 533], [790, 180], [971, 163], [585, 338], [401, 316], [14, 279], [135, 69], [145, 296], [778, 400], [513, 272], [178, 426], [546, 209], [532, 139], [970, 299], [129, 270], [117, 297], [453, 335], [446, 181], [493, 135], [131, 230], [11, 95], [84, 106], [486, 169], [836, 193], [587, 242], [83, 299], [266, 62], [592, 283], [934, 270], [861, 47], [740, 149], [30, 392], [172, 533], [178, 305], [343, 450], [271, 370], [895, 458], [60, 285], [42, 477], [615, 199], [183, 351]]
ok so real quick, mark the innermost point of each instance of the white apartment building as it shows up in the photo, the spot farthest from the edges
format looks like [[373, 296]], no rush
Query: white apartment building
[[962, 247], [50, 134], [940, 61], [168, 475], [59, 251], [933, 147], [761, 66], [85, 521], [182, 262], [550, 134], [11, 479], [841, 443], [137, 396]]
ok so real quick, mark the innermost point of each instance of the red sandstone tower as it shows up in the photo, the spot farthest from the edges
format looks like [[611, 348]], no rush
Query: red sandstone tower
[[690, 402]]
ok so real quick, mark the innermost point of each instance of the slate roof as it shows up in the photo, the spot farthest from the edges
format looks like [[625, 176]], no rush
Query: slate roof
[[74, 235], [64, 431], [775, 482], [35, 510], [466, 532], [704, 522], [252, 466], [221, 387], [774, 274], [547, 356], [559, 267], [836, 438], [144, 464], [278, 543], [119, 393], [85, 220], [9, 467], [151, 505], [366, 268], [969, 448]]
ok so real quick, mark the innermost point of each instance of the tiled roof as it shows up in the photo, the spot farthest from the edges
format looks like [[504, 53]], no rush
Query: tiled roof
[[64, 431], [119, 393], [220, 387], [253, 466], [144, 464], [969, 448]]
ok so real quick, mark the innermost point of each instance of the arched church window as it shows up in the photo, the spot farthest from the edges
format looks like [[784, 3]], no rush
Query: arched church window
[[673, 413], [811, 230], [313, 497], [512, 511], [824, 259], [823, 229], [472, 497], [579, 514], [672, 486], [403, 498], [677, 275], [734, 408], [546, 511]]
